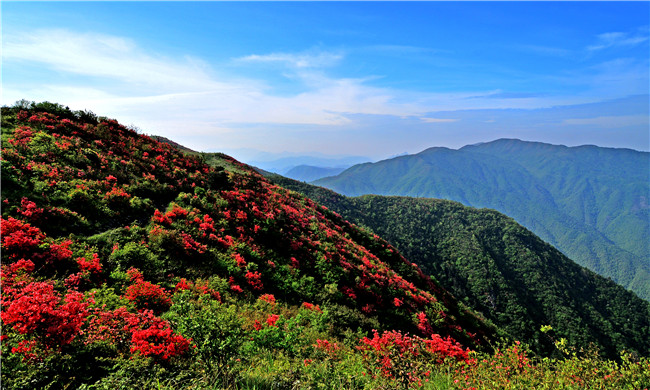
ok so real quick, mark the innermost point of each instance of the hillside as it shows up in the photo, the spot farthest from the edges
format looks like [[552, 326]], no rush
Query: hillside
[[106, 223], [589, 202], [128, 264], [499, 268]]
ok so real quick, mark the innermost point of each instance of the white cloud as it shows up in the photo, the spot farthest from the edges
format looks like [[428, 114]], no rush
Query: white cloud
[[122, 75], [610, 121], [437, 120], [105, 56], [304, 60], [185, 97], [617, 39], [116, 73]]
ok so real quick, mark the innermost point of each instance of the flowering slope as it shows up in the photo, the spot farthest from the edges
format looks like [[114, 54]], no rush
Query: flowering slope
[[108, 234]]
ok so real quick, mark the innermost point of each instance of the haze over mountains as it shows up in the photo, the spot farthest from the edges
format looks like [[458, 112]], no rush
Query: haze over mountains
[[588, 201], [310, 173], [305, 167]]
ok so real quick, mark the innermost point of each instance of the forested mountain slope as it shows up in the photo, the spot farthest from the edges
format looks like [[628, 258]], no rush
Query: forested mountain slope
[[499, 268], [589, 202]]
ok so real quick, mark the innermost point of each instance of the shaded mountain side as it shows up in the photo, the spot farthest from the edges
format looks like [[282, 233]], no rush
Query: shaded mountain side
[[499, 268], [589, 202]]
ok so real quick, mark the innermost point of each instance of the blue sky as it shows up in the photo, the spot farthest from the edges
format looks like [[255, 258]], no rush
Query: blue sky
[[372, 79]]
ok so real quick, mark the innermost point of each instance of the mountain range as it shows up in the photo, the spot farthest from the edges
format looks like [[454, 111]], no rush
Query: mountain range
[[309, 173], [590, 202], [282, 163]]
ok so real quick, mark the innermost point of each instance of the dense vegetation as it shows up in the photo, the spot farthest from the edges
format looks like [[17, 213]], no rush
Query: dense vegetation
[[126, 264], [589, 202], [499, 268]]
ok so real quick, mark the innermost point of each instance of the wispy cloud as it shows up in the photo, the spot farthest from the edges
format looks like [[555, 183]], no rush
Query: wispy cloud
[[508, 95], [603, 41], [610, 121], [116, 77], [303, 60], [107, 56], [168, 87], [437, 120], [150, 77], [618, 39]]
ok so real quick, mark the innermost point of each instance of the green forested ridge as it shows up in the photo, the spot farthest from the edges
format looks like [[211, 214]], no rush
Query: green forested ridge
[[499, 268], [589, 202]]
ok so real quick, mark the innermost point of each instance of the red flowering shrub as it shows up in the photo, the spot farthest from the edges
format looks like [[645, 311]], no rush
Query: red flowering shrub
[[9, 271], [61, 252], [234, 286], [182, 285], [241, 263], [134, 275], [74, 281], [36, 309], [161, 218], [190, 244], [206, 225], [329, 348], [272, 319], [19, 239], [159, 343], [29, 210], [117, 194], [423, 324], [312, 307], [200, 287], [444, 348], [148, 296], [142, 333], [407, 358], [93, 266], [254, 279], [29, 349], [349, 292], [268, 298], [22, 136]]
